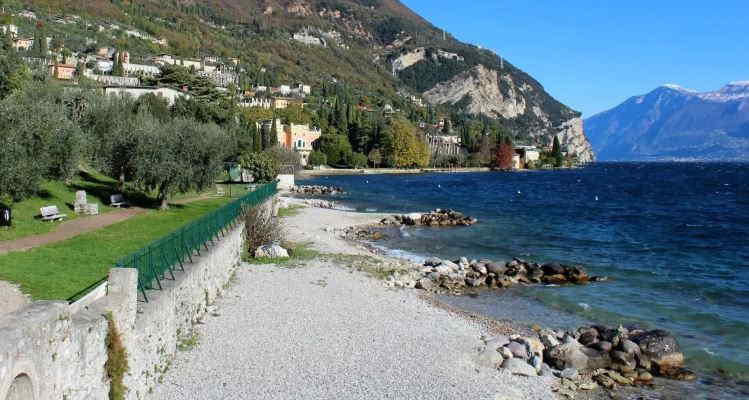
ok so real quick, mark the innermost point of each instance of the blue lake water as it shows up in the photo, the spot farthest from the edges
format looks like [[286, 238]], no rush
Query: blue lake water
[[674, 238]]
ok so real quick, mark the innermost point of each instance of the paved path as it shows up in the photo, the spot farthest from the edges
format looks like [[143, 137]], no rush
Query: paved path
[[323, 332]]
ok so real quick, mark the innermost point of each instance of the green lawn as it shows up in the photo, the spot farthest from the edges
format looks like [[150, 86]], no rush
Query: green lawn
[[26, 220], [60, 270]]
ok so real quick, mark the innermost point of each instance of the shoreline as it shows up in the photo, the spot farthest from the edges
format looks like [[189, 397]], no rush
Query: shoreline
[[385, 171], [491, 325]]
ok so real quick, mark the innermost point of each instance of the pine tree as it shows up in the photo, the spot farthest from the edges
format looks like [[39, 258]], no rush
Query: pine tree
[[273, 138]]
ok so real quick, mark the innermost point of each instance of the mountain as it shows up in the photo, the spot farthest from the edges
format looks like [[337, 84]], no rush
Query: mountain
[[379, 46], [674, 123]]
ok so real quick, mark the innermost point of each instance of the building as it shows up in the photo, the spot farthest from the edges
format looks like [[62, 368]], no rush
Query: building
[[445, 145], [23, 44], [218, 78], [306, 38], [111, 80], [527, 155], [64, 72], [169, 94], [12, 29], [295, 137], [258, 102], [281, 103], [147, 70]]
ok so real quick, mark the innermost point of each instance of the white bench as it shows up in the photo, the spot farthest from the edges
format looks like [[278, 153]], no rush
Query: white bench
[[51, 213], [118, 200]]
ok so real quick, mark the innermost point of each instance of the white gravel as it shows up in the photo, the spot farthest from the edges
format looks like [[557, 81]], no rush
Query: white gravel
[[323, 332]]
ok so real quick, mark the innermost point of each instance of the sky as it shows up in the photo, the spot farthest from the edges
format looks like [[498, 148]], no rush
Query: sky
[[593, 55]]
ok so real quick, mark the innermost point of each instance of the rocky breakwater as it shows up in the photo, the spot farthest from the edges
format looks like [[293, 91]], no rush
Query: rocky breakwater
[[438, 217], [453, 276], [318, 190], [589, 357]]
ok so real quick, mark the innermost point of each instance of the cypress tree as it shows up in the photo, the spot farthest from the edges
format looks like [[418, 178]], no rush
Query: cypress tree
[[556, 152], [257, 139], [273, 133]]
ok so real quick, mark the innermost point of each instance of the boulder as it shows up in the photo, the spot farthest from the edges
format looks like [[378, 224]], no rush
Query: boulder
[[661, 348], [271, 251], [546, 370], [480, 268], [557, 279], [602, 346], [569, 373], [518, 350], [489, 358], [552, 268], [517, 366], [567, 355], [506, 353], [588, 337], [548, 339], [536, 362], [475, 282], [497, 342], [432, 262], [425, 284], [629, 347], [597, 359]]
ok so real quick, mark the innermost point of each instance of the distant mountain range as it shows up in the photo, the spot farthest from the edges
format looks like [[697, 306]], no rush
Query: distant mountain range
[[674, 123]]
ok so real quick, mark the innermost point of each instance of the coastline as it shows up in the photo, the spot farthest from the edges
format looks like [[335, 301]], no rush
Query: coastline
[[378, 171], [341, 219]]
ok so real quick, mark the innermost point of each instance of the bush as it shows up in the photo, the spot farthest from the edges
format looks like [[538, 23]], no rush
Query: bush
[[286, 157], [261, 228], [317, 158], [358, 160], [263, 166]]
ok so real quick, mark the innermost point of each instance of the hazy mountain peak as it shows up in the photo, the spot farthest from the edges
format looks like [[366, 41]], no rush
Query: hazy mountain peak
[[679, 88]]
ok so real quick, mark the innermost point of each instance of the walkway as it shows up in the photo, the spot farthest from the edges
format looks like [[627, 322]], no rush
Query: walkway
[[323, 332]]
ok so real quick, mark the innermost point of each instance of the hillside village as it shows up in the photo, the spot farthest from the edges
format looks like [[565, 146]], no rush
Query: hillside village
[[118, 71]]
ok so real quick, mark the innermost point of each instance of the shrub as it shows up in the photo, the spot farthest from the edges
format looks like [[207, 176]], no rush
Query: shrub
[[263, 166], [358, 160], [317, 158], [261, 228]]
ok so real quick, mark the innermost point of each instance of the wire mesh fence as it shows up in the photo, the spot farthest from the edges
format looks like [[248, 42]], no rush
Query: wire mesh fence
[[160, 259]]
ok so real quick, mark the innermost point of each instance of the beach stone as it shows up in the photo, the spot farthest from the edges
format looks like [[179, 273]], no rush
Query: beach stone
[[604, 381], [432, 262], [618, 378], [602, 346], [568, 354], [597, 359], [271, 251], [645, 376], [497, 342], [661, 349], [450, 265], [475, 282], [588, 337], [506, 353], [496, 269], [554, 279], [442, 269], [480, 268], [548, 338], [517, 366], [462, 261], [569, 373], [629, 347], [533, 345], [518, 350], [434, 276], [681, 374], [425, 284], [553, 268]]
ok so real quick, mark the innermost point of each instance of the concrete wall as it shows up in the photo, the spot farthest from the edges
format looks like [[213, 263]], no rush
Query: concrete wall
[[50, 350]]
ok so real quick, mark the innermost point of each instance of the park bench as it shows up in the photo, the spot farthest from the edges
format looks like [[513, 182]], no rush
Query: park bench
[[118, 200], [51, 213]]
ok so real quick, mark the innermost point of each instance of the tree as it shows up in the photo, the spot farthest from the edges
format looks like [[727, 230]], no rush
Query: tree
[[179, 156], [406, 149], [358, 160], [262, 166], [40, 41], [317, 158], [118, 69], [13, 71], [336, 147], [375, 157], [273, 135], [504, 154], [556, 152]]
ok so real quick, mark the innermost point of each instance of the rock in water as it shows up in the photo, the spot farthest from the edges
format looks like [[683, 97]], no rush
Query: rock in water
[[661, 348], [517, 366], [271, 251]]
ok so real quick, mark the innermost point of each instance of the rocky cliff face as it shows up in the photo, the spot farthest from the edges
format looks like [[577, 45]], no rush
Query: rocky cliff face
[[523, 104]]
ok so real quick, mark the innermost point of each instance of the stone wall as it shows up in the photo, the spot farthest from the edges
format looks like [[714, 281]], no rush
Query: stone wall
[[50, 350]]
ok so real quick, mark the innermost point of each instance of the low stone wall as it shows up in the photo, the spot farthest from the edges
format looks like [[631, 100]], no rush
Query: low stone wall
[[50, 350]]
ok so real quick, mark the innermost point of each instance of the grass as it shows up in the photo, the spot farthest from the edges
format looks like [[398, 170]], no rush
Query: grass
[[26, 221], [298, 252], [60, 270], [290, 211]]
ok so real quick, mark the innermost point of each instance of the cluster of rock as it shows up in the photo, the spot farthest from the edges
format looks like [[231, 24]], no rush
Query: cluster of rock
[[316, 190], [271, 251], [438, 217], [363, 233], [320, 204], [452, 276], [590, 356]]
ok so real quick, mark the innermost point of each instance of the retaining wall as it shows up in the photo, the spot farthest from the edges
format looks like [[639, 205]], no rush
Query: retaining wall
[[52, 350]]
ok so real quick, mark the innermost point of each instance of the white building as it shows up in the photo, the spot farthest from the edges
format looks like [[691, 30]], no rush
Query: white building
[[256, 102], [10, 28], [169, 94], [306, 38], [148, 70], [218, 78], [104, 65]]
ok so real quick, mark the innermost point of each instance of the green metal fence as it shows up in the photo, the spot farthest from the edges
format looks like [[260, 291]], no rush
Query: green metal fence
[[160, 259]]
